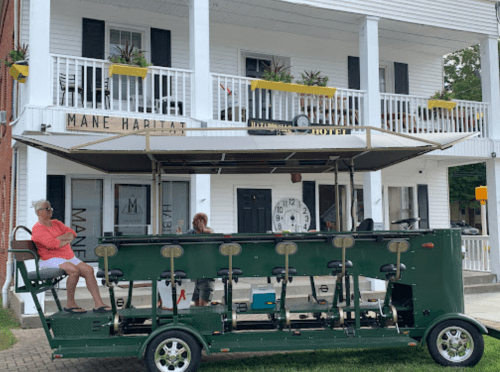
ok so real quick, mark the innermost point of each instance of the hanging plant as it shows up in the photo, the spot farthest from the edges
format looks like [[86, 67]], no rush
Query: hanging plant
[[313, 78], [15, 55], [277, 71]]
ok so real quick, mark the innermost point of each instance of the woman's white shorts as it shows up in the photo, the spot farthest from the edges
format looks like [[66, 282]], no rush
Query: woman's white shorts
[[54, 262]]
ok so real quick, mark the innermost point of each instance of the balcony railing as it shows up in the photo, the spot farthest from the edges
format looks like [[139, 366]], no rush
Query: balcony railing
[[477, 253], [235, 102], [410, 114], [84, 83]]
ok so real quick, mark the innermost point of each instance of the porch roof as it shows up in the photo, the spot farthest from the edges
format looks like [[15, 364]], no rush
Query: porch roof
[[302, 153]]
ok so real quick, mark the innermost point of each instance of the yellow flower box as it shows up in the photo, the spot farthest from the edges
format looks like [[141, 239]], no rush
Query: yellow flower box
[[117, 69], [440, 103], [19, 72], [298, 88]]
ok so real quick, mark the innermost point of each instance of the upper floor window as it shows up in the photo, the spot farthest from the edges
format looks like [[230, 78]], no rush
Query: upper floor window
[[119, 38]]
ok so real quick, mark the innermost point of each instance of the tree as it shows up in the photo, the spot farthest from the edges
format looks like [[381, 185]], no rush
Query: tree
[[463, 181], [462, 71]]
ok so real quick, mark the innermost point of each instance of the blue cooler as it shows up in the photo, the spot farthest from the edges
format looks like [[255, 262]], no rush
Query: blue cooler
[[262, 297]]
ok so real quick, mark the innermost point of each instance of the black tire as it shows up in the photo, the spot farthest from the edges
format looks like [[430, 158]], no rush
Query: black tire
[[455, 343], [184, 348]]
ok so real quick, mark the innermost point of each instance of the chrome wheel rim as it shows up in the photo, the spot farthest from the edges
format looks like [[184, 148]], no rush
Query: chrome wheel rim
[[455, 344], [172, 355]]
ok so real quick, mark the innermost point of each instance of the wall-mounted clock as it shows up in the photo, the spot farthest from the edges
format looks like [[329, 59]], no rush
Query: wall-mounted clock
[[290, 214]]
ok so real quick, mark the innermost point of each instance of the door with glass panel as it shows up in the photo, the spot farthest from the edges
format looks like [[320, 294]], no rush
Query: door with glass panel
[[132, 209], [86, 216]]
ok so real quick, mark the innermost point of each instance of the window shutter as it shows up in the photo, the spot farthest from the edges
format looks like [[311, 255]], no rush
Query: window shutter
[[423, 206], [161, 54], [309, 199], [93, 38], [353, 73], [56, 186], [401, 78]]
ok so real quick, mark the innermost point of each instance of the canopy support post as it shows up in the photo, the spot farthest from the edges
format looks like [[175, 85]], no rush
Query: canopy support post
[[337, 204]]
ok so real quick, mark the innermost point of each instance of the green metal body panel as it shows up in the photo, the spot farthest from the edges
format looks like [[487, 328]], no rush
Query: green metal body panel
[[429, 291], [308, 340], [86, 325], [442, 318]]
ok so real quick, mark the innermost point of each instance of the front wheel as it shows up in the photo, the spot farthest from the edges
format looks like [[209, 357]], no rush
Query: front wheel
[[455, 343], [173, 351]]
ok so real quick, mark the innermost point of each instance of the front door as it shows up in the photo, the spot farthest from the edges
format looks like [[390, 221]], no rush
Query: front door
[[254, 210]]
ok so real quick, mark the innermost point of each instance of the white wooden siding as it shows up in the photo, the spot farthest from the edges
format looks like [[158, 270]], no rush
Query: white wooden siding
[[224, 215], [467, 15]]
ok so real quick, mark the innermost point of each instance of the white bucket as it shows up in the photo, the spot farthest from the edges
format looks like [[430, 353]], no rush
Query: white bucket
[[184, 294]]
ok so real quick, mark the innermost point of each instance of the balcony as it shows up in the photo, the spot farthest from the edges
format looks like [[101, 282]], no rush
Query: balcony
[[83, 85]]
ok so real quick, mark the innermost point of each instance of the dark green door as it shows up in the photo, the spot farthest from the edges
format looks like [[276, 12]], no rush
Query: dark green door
[[254, 210]]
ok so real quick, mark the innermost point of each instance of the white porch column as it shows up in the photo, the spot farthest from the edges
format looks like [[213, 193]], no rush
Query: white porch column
[[36, 181], [199, 62], [493, 182], [372, 198], [490, 83], [199, 59], [369, 82], [200, 196], [369, 70], [39, 80]]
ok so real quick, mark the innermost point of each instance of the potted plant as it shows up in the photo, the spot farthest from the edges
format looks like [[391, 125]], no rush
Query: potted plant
[[17, 62], [313, 78], [129, 61], [441, 99], [277, 71], [277, 77]]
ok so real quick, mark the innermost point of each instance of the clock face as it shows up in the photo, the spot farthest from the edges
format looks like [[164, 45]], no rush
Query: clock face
[[292, 215], [302, 121]]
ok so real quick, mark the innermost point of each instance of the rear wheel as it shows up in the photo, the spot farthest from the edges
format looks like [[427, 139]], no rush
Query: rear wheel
[[455, 343], [173, 351]]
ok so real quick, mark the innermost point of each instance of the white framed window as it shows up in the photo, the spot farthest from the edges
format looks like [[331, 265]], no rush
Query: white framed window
[[117, 37], [382, 79]]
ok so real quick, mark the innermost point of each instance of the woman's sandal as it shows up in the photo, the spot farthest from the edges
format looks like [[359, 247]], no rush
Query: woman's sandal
[[74, 310], [103, 309]]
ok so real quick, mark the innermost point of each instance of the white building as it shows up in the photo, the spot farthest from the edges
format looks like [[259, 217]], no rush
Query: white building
[[384, 57]]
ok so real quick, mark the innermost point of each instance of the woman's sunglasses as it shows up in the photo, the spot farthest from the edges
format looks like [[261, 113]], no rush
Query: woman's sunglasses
[[46, 209]]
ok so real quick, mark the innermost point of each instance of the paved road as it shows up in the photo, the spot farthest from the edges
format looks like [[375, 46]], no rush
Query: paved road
[[32, 352]]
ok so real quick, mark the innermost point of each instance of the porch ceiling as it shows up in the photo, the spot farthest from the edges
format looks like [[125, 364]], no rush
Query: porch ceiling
[[280, 16], [239, 155]]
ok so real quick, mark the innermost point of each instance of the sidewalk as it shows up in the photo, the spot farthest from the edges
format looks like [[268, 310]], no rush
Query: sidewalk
[[32, 352]]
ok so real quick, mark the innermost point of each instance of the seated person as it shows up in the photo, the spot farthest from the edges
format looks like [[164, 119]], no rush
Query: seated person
[[52, 239], [204, 287]]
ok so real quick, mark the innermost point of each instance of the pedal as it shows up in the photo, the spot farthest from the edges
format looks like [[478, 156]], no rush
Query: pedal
[[350, 332]]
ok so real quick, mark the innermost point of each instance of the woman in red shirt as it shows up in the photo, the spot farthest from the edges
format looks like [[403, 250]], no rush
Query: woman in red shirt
[[52, 239]]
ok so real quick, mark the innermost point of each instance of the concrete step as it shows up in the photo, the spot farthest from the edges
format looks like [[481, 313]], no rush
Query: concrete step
[[475, 277], [482, 288]]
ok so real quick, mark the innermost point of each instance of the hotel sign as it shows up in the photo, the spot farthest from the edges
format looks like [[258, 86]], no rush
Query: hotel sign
[[264, 127], [113, 124]]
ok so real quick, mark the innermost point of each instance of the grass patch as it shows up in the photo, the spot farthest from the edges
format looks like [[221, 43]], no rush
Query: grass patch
[[347, 360], [7, 322]]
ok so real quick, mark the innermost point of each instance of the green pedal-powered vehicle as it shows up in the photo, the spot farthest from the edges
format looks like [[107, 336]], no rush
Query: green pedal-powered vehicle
[[423, 303]]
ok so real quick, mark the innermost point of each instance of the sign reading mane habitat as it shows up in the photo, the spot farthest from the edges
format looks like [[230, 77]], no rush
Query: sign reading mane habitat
[[113, 124]]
